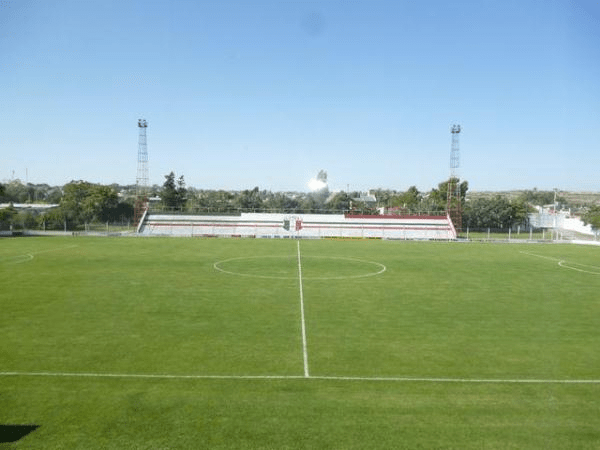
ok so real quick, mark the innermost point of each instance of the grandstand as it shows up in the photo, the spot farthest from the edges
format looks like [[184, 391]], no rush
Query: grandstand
[[270, 225]]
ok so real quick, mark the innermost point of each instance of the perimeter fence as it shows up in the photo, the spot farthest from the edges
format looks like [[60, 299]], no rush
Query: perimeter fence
[[126, 227], [67, 229], [530, 234]]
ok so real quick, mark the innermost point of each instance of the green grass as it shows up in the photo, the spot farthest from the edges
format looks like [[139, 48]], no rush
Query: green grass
[[440, 311]]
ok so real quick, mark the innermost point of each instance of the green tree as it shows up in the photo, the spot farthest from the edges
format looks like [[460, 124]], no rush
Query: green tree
[[409, 200], [168, 193], [592, 217], [541, 198], [384, 196], [441, 193], [174, 194], [309, 204], [25, 220], [17, 192], [215, 201], [496, 212], [249, 200], [280, 202], [74, 193], [7, 216], [53, 195], [100, 204], [181, 192], [438, 198], [84, 202], [340, 202], [122, 212], [53, 219]]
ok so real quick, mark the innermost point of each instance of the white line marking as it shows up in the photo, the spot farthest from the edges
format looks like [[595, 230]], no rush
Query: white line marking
[[541, 256], [17, 259], [55, 249], [456, 380], [299, 377], [26, 257], [304, 346], [565, 264], [150, 375], [217, 266]]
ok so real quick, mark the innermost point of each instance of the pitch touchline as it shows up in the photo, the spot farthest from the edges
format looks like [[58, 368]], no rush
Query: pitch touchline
[[304, 346], [296, 377]]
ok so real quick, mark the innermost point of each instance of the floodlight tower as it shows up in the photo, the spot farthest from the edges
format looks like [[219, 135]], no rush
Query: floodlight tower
[[141, 181], [454, 195]]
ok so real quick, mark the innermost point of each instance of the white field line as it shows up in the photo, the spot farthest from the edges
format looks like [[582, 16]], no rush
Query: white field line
[[29, 256], [381, 268], [541, 256], [55, 249], [457, 380], [151, 376], [565, 264], [305, 357], [300, 377], [304, 346], [26, 257]]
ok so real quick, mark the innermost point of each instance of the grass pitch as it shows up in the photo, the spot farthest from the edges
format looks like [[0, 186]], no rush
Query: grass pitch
[[197, 343]]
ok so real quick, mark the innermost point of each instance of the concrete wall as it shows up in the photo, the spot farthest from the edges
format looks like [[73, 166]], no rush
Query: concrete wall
[[576, 224], [560, 220]]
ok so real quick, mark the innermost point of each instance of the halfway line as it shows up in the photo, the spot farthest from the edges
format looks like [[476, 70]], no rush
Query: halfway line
[[304, 346]]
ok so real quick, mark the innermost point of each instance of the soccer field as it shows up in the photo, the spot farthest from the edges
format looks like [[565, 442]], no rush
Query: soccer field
[[232, 343]]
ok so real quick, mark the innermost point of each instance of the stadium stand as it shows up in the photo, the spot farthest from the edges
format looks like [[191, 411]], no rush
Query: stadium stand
[[267, 225]]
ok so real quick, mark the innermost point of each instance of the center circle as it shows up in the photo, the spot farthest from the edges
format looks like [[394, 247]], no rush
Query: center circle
[[312, 267]]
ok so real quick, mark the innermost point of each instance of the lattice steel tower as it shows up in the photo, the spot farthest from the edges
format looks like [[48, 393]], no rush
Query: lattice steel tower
[[454, 195], [141, 181]]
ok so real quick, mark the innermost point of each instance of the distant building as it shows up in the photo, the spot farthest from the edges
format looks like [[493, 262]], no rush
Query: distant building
[[367, 198], [39, 207]]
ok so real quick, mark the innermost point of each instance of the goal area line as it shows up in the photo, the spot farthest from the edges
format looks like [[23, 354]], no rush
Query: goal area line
[[299, 377]]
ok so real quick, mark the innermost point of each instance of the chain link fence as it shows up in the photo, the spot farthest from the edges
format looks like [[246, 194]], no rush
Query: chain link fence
[[531, 234]]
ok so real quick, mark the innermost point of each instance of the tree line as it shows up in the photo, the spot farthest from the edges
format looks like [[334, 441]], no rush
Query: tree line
[[497, 211], [79, 203], [82, 202]]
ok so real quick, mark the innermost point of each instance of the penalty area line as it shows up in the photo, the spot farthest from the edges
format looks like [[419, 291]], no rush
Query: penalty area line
[[299, 377]]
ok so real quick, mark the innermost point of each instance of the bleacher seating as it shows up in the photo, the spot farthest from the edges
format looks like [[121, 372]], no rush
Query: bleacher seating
[[300, 226]]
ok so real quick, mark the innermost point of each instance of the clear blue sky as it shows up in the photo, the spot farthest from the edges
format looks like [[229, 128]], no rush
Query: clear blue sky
[[266, 93]]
